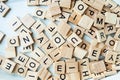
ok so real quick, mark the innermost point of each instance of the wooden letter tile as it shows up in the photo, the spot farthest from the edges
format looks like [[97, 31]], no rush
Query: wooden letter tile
[[79, 52], [21, 59], [31, 75], [32, 64], [28, 21], [26, 39], [80, 7], [8, 66], [71, 67], [109, 29], [2, 35], [13, 41], [85, 22], [74, 39], [65, 3], [10, 52], [60, 67], [3, 9], [58, 39], [32, 2], [101, 36]]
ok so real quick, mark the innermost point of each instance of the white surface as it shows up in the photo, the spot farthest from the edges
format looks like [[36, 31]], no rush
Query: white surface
[[19, 8]]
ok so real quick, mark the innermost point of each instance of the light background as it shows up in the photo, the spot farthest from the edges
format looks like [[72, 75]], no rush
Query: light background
[[19, 8]]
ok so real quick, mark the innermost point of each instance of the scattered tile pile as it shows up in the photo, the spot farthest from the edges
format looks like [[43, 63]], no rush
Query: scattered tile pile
[[39, 47]]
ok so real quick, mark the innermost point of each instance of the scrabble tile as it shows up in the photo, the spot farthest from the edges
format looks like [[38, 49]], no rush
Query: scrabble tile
[[13, 41], [56, 54], [117, 46], [79, 52], [71, 67], [59, 67], [10, 52], [38, 27], [48, 47], [15, 23], [67, 50], [98, 4], [91, 12], [117, 35], [63, 77], [111, 4], [45, 2], [4, 9], [27, 49], [32, 2], [37, 54], [58, 40], [2, 35], [84, 24], [51, 28], [109, 29], [20, 70], [116, 10], [31, 75], [110, 57], [3, 0], [110, 72], [99, 21], [63, 30], [39, 13], [83, 63], [74, 39], [118, 22], [2, 60], [23, 29], [49, 16], [8, 66], [74, 18], [91, 32], [94, 53], [98, 76], [94, 67], [21, 59], [28, 21], [110, 18], [89, 2], [101, 36], [26, 39], [74, 76], [110, 42], [80, 7], [32, 64], [44, 74], [41, 39], [79, 31], [70, 60], [65, 3], [84, 45], [54, 9], [46, 61]]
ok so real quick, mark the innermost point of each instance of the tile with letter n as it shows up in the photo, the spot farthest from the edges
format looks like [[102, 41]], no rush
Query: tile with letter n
[[26, 39], [8, 65], [3, 9]]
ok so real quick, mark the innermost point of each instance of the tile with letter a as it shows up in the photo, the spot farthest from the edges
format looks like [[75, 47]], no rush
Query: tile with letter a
[[3, 9]]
